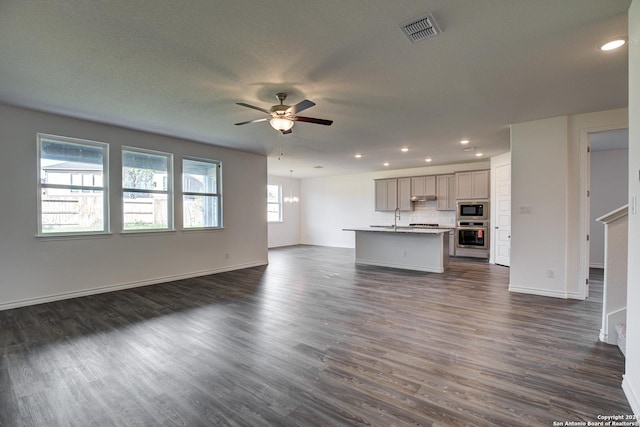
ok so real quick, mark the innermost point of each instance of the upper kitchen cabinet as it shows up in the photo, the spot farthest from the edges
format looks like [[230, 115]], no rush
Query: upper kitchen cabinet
[[472, 185], [386, 194], [393, 193], [423, 186], [404, 194], [446, 192]]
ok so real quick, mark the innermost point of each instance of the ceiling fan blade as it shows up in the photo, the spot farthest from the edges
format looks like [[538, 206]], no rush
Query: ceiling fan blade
[[252, 121], [300, 106], [312, 120], [254, 107]]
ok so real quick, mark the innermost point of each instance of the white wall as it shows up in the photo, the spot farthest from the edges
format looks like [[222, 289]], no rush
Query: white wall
[[329, 204], [34, 270], [539, 186], [546, 177], [609, 191], [631, 382], [287, 232]]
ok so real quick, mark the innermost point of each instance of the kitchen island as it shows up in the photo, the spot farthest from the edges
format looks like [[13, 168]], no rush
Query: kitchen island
[[403, 247]]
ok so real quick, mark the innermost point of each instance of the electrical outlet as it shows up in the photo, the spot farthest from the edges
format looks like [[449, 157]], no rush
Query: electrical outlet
[[551, 274]]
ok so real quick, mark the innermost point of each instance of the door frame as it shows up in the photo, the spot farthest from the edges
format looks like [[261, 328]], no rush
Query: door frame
[[585, 202], [497, 161], [494, 227]]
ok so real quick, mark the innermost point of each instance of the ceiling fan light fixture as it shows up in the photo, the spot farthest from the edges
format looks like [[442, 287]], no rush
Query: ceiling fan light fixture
[[281, 124]]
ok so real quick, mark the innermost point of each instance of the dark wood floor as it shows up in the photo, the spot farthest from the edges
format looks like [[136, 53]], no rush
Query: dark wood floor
[[311, 340]]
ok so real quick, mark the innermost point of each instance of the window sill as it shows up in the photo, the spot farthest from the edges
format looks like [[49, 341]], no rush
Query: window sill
[[199, 230], [71, 236], [145, 232]]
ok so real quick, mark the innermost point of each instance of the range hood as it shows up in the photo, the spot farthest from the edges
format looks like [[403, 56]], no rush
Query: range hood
[[424, 198]]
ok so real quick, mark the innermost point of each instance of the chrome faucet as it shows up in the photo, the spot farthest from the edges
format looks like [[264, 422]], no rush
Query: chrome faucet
[[396, 217]]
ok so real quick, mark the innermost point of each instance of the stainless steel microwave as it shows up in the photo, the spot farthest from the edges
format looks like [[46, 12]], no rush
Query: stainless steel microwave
[[472, 209]]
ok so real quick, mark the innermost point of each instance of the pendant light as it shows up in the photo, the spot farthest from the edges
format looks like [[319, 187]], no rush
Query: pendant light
[[291, 198]]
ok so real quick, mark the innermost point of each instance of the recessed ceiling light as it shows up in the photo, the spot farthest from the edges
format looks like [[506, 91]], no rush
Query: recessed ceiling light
[[386, 163], [613, 44], [478, 154], [428, 159], [404, 149], [358, 156], [464, 142]]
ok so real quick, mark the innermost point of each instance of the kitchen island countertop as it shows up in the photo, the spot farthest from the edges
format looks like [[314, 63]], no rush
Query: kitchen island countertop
[[400, 229]]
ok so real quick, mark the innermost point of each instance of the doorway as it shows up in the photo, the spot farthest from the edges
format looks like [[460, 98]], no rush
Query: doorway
[[605, 182], [502, 215]]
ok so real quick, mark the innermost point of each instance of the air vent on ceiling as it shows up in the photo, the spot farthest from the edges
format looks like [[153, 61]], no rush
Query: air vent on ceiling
[[420, 29]]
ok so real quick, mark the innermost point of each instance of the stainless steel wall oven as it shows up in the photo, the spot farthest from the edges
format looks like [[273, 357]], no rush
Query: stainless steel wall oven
[[472, 235]]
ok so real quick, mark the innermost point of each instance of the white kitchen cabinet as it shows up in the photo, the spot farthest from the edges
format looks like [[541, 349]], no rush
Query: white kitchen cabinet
[[386, 194], [446, 193], [423, 186], [472, 185], [404, 194], [393, 193]]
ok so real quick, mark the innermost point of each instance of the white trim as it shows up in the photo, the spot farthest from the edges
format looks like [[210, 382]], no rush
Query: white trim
[[614, 215], [169, 192], [596, 265], [537, 291], [609, 321], [279, 203], [121, 286], [496, 162], [631, 394], [217, 164], [106, 195]]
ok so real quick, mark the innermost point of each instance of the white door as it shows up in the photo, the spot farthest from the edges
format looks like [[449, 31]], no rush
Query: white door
[[503, 215]]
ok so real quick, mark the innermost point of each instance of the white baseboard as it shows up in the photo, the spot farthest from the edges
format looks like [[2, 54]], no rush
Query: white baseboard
[[121, 286], [632, 393], [604, 336], [535, 291]]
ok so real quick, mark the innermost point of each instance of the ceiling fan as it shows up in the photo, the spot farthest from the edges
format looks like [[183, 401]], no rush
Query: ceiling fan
[[284, 116]]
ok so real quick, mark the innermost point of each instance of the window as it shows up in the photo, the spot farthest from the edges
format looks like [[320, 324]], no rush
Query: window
[[274, 203], [146, 190], [73, 197], [201, 193]]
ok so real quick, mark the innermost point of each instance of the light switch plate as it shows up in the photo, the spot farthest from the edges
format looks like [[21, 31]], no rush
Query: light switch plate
[[525, 210]]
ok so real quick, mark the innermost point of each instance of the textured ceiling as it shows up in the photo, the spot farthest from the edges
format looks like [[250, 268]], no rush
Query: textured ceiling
[[179, 67]]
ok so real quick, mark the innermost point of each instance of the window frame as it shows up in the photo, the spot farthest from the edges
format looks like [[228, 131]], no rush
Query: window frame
[[278, 203], [41, 186], [169, 192], [218, 194]]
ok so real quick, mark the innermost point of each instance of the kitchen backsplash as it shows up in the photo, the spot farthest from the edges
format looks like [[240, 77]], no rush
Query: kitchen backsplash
[[423, 212]]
